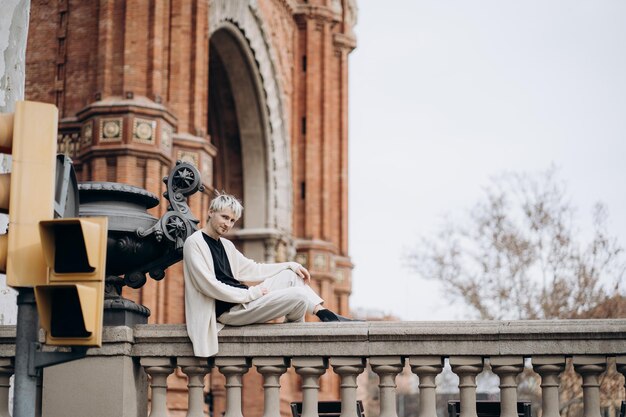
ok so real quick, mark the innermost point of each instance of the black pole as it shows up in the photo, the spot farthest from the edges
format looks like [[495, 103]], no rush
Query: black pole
[[25, 393]]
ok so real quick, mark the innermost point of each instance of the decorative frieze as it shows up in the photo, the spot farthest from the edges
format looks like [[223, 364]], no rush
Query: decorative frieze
[[320, 261], [166, 138], [189, 157], [111, 129], [87, 133], [303, 259], [144, 131], [206, 169], [68, 143]]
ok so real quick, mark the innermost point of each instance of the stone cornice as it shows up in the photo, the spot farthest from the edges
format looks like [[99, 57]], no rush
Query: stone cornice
[[320, 13], [118, 105], [187, 140], [438, 338], [524, 338], [344, 41], [315, 244], [123, 150]]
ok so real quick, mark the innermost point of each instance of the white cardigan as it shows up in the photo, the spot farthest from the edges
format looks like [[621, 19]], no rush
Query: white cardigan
[[202, 288]]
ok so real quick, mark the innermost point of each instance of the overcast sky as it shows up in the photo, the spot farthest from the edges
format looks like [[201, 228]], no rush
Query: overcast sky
[[446, 94]]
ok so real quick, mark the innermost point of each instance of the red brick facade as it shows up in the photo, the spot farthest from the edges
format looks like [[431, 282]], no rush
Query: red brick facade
[[254, 93]]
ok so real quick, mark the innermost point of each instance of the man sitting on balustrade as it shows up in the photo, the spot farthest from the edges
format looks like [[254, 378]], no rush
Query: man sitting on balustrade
[[215, 296]]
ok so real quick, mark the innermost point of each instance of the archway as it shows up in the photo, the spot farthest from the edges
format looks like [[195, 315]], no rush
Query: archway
[[246, 124]]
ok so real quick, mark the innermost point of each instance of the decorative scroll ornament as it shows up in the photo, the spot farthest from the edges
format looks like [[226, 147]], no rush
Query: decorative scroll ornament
[[174, 227]]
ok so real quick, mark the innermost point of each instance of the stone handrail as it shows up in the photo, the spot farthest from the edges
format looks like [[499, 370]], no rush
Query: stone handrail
[[311, 348]]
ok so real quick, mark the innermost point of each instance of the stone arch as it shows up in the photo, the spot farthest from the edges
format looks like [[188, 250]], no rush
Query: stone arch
[[237, 32]]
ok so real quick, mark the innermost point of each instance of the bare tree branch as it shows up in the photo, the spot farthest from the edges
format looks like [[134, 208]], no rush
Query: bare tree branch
[[519, 254]]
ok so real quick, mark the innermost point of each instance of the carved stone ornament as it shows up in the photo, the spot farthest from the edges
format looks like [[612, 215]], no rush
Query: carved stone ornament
[[87, 133], [188, 157], [143, 130], [166, 138], [111, 130]]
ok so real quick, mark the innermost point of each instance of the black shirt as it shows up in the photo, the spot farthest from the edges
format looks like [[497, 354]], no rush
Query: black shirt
[[223, 273]]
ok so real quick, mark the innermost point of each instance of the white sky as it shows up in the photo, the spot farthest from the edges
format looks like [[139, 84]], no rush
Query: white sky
[[445, 94]]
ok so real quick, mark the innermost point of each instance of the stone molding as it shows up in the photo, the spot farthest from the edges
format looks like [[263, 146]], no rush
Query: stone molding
[[246, 17], [541, 339], [454, 338]]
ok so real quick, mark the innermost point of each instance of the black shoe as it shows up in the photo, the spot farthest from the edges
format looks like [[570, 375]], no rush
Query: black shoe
[[328, 316]]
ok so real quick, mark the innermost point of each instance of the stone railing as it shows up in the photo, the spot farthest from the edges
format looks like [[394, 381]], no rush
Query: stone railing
[[133, 358]]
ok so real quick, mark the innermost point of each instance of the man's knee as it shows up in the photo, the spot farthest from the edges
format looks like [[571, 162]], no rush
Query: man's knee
[[298, 307], [299, 294], [290, 278]]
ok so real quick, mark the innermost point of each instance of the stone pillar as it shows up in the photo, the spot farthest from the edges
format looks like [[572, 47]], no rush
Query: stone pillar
[[467, 368], [195, 369], [158, 369], [427, 368], [387, 368], [233, 369], [549, 368], [271, 369], [310, 369], [121, 388], [507, 368], [348, 368], [590, 368]]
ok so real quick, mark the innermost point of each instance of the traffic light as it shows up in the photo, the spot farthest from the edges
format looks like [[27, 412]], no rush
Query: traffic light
[[64, 259], [27, 193], [71, 304]]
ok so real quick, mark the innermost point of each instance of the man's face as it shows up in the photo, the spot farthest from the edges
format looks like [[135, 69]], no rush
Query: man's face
[[220, 222]]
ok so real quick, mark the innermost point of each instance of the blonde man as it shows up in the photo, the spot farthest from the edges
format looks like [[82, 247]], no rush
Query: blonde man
[[215, 296]]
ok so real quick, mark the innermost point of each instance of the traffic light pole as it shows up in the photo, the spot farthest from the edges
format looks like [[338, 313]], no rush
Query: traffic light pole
[[25, 394]]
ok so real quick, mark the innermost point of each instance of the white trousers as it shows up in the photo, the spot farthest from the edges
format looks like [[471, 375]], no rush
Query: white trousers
[[288, 296]]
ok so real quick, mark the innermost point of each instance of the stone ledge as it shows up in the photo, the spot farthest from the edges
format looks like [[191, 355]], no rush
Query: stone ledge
[[485, 338], [366, 339]]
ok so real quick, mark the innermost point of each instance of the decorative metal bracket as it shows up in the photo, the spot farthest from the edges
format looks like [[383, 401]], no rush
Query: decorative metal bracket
[[174, 227], [38, 360]]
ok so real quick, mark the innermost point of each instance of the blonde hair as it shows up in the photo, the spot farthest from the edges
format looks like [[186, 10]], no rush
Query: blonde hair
[[226, 201]]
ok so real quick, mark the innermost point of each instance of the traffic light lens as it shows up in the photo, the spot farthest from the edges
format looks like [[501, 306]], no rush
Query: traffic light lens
[[70, 253], [66, 316]]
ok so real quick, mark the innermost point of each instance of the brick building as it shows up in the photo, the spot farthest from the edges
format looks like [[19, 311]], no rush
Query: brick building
[[252, 92]]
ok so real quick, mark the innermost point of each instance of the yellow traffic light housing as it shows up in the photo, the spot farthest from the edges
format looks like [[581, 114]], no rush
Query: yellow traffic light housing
[[27, 193], [71, 305]]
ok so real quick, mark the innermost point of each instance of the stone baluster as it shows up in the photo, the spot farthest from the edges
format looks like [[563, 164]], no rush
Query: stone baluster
[[387, 368], [158, 369], [507, 368], [195, 369], [467, 368], [620, 364], [427, 368], [233, 369], [348, 368], [271, 369], [6, 370], [310, 369], [549, 368], [590, 368]]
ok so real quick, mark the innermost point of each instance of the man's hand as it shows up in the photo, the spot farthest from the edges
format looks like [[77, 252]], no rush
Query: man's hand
[[264, 291], [304, 274]]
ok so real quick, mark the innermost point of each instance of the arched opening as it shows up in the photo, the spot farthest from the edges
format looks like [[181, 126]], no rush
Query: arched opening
[[224, 129], [239, 130]]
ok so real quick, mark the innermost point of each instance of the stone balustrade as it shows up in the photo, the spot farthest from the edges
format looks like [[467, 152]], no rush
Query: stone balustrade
[[312, 348]]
